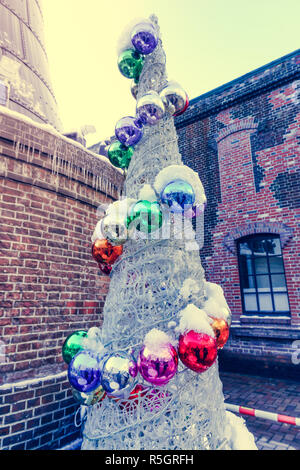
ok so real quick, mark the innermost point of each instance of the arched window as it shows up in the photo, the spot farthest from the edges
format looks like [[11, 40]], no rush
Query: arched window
[[262, 277]]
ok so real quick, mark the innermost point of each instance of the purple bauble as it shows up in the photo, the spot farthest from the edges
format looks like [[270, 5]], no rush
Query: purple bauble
[[158, 366], [84, 371], [150, 108], [129, 130], [144, 38]]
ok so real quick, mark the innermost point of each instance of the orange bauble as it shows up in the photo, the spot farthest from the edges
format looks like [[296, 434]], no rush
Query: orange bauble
[[221, 330], [105, 252]]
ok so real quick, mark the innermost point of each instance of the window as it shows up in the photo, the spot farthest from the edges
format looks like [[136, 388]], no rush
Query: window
[[262, 277]]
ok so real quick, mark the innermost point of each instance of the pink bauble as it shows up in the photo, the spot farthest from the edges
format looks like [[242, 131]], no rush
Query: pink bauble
[[197, 351], [158, 366]]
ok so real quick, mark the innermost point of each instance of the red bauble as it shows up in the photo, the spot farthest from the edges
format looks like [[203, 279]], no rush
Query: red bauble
[[133, 399], [105, 268], [106, 253], [221, 330], [197, 351], [184, 108]]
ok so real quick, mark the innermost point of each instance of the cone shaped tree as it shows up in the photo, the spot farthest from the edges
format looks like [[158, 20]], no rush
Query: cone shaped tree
[[146, 292]]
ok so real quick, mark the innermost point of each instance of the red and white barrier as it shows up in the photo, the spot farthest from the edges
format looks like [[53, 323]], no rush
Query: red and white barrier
[[279, 418]]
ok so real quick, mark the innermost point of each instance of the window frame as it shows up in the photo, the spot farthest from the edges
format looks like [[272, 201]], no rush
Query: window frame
[[269, 273]]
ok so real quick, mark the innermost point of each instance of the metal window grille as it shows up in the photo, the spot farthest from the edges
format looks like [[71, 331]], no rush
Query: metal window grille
[[262, 275]]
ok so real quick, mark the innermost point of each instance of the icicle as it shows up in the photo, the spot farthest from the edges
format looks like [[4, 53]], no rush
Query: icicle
[[17, 148]]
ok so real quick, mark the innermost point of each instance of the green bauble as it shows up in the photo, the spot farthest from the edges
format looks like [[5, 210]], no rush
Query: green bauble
[[146, 216], [72, 345], [120, 155], [130, 63]]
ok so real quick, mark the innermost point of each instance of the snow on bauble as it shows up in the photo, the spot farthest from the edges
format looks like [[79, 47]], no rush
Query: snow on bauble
[[156, 339], [97, 234], [93, 340], [193, 318], [216, 306], [114, 224], [147, 193], [120, 209], [189, 288], [124, 41]]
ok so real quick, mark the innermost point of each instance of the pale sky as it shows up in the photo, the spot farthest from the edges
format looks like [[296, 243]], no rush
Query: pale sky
[[207, 44]]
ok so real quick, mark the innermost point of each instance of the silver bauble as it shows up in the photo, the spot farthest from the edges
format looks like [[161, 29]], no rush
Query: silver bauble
[[119, 373], [114, 230], [134, 88], [150, 108], [173, 95]]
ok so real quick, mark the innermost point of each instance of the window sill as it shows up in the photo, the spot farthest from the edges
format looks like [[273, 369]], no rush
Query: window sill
[[265, 320], [270, 331]]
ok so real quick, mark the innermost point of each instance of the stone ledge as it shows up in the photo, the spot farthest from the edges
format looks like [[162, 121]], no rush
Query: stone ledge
[[41, 146], [264, 331]]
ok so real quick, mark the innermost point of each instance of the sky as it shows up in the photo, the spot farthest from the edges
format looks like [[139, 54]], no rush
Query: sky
[[207, 44]]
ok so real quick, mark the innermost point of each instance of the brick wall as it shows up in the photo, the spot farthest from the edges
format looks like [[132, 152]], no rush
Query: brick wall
[[243, 140], [51, 188]]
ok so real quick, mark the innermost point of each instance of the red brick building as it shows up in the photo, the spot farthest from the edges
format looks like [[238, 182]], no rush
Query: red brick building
[[50, 286], [243, 140]]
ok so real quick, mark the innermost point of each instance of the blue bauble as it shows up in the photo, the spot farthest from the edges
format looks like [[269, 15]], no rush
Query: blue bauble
[[118, 375], [178, 195], [84, 371], [129, 130]]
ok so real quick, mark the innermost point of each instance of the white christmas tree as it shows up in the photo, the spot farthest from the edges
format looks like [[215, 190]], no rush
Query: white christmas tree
[[157, 294]]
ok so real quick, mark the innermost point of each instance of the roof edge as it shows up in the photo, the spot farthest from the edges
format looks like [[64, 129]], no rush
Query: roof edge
[[244, 77]]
